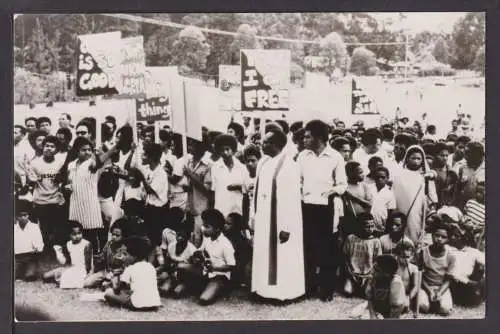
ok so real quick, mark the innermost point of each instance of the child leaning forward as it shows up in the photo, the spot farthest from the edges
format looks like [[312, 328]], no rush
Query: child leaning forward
[[136, 288]]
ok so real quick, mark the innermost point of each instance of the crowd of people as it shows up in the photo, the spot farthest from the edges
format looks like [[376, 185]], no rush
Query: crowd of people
[[392, 214]]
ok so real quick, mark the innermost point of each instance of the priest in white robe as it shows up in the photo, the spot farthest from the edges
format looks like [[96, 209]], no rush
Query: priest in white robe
[[278, 255]]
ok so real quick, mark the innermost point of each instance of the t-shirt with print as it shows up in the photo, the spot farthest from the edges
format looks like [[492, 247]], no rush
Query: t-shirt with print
[[47, 189], [141, 276]]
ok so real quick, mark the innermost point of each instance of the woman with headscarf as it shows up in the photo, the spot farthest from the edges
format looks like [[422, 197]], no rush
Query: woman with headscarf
[[415, 192]]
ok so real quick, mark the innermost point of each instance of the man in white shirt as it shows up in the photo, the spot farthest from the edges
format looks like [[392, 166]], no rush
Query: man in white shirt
[[323, 177], [28, 243], [371, 140], [228, 177], [155, 180]]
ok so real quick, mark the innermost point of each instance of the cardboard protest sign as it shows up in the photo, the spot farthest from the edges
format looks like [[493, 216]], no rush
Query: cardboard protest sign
[[157, 105], [133, 78], [361, 102], [265, 80], [154, 109], [229, 87], [99, 64]]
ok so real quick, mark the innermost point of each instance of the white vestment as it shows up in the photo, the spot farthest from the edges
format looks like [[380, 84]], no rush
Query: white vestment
[[289, 281]]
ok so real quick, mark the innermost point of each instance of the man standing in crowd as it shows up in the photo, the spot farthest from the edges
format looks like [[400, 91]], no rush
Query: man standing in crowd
[[44, 124], [47, 196], [323, 176], [30, 124], [228, 176], [278, 257]]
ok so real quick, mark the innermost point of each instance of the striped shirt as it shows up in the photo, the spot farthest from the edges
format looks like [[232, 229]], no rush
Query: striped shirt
[[84, 205], [475, 211]]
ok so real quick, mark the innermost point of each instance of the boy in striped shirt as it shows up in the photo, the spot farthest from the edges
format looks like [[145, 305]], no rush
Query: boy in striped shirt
[[474, 216]]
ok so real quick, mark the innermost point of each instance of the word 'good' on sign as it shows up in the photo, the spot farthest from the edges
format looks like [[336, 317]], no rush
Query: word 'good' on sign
[[154, 109], [99, 64], [265, 79]]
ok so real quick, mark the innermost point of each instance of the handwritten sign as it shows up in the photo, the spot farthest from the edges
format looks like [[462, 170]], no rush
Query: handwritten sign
[[133, 79], [99, 64], [265, 79], [154, 109], [361, 102]]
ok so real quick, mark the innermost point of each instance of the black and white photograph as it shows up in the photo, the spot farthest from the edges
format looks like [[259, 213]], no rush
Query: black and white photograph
[[249, 166]]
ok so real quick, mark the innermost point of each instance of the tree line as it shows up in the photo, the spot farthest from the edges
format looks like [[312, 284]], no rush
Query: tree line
[[45, 44]]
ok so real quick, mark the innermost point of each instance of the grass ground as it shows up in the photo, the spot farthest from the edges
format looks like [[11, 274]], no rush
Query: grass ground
[[65, 305]]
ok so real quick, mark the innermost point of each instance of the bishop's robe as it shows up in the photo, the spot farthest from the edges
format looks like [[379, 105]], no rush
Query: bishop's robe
[[278, 268]]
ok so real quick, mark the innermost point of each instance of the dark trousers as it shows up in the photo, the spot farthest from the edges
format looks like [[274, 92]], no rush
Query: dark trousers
[[320, 249], [97, 238], [155, 221], [26, 266], [53, 226]]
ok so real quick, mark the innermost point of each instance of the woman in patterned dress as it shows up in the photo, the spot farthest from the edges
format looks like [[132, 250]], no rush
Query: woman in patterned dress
[[83, 176]]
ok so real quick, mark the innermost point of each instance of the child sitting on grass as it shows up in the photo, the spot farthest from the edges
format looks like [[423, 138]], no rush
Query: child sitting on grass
[[136, 288], [408, 272], [395, 233], [360, 252], [28, 243], [234, 231], [385, 293], [114, 249], [220, 259], [178, 268], [468, 283], [76, 258], [383, 201], [438, 262]]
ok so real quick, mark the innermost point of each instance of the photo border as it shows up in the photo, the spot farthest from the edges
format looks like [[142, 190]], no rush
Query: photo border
[[492, 322]]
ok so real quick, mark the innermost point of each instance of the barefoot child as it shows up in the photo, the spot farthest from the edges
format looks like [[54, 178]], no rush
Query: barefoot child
[[386, 294], [438, 264], [76, 258], [136, 288], [360, 251], [407, 271]]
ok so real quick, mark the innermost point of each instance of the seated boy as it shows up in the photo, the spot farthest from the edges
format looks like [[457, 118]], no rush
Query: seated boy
[[220, 259], [28, 243], [177, 273], [385, 293], [438, 263], [467, 285], [136, 288]]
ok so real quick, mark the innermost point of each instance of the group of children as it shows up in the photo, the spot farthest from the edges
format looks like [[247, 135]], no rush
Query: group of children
[[175, 226]]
